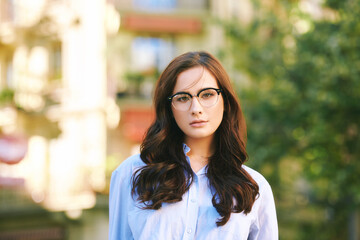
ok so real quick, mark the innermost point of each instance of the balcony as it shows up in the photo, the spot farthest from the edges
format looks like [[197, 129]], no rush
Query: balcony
[[158, 16], [161, 6]]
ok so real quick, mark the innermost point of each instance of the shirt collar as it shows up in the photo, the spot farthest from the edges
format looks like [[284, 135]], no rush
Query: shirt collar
[[187, 149]]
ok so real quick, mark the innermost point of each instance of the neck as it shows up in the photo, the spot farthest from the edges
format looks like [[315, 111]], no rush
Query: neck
[[201, 150], [200, 147]]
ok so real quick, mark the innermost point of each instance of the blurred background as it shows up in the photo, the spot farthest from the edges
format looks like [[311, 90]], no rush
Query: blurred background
[[76, 82]]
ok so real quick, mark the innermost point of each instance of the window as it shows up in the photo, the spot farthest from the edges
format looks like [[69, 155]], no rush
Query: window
[[149, 53], [154, 4], [149, 57]]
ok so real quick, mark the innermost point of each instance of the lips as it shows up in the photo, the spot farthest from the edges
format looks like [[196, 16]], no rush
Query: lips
[[198, 123]]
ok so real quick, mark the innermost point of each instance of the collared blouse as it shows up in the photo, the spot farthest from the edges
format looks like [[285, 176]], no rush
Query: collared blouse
[[194, 217]]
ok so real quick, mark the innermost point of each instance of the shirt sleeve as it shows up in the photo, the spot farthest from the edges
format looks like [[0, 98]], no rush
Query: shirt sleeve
[[119, 201], [265, 227]]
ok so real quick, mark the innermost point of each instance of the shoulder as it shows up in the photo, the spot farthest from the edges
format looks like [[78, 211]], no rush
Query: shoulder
[[265, 224], [121, 200], [263, 184], [122, 175], [254, 174], [129, 166]]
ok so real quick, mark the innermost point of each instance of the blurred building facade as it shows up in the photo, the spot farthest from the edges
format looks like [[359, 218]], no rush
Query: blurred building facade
[[76, 81], [151, 34], [53, 88]]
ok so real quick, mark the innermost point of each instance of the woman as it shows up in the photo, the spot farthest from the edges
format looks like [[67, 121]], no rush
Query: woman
[[189, 181]]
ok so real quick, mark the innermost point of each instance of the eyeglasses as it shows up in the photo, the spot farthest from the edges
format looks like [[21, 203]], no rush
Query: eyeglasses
[[207, 97]]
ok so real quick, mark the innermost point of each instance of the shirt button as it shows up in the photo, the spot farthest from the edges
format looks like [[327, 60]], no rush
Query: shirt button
[[189, 230]]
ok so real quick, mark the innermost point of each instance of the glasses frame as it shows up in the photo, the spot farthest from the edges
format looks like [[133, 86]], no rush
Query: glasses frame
[[218, 91]]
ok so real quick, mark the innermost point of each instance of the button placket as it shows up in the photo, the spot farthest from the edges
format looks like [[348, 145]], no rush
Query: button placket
[[192, 210]]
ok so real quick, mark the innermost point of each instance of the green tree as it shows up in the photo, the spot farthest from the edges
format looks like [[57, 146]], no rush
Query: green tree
[[299, 81]]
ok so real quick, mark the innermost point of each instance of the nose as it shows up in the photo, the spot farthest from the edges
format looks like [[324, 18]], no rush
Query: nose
[[195, 107]]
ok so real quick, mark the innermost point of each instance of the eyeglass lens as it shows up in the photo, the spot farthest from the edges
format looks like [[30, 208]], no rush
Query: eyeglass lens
[[206, 97]]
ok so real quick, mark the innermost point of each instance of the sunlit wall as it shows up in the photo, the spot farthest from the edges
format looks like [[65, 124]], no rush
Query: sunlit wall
[[60, 102]]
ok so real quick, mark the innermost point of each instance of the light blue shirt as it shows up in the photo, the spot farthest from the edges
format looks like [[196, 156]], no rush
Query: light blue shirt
[[192, 218]]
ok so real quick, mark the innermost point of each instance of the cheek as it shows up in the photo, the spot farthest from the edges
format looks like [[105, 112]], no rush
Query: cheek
[[218, 117], [219, 112], [179, 118]]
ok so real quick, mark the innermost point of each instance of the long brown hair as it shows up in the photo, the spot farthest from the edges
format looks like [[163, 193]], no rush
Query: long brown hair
[[167, 175]]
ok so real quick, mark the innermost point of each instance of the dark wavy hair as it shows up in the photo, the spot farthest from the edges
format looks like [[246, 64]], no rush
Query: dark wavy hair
[[167, 175]]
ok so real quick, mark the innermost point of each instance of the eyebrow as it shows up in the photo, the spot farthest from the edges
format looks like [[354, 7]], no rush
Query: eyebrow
[[197, 91]]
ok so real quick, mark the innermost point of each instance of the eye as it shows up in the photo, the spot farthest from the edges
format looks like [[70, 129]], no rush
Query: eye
[[183, 98], [207, 94]]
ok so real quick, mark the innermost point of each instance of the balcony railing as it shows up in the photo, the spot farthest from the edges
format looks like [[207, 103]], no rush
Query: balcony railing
[[162, 6]]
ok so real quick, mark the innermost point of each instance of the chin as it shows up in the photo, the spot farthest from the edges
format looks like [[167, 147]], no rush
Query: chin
[[199, 136]]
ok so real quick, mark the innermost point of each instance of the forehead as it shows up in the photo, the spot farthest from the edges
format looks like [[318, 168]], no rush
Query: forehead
[[195, 79]]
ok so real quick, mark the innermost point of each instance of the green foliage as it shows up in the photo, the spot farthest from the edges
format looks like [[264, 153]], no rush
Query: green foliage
[[303, 112], [6, 96]]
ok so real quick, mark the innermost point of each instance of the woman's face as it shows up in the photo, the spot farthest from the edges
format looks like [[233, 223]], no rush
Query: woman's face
[[197, 122]]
